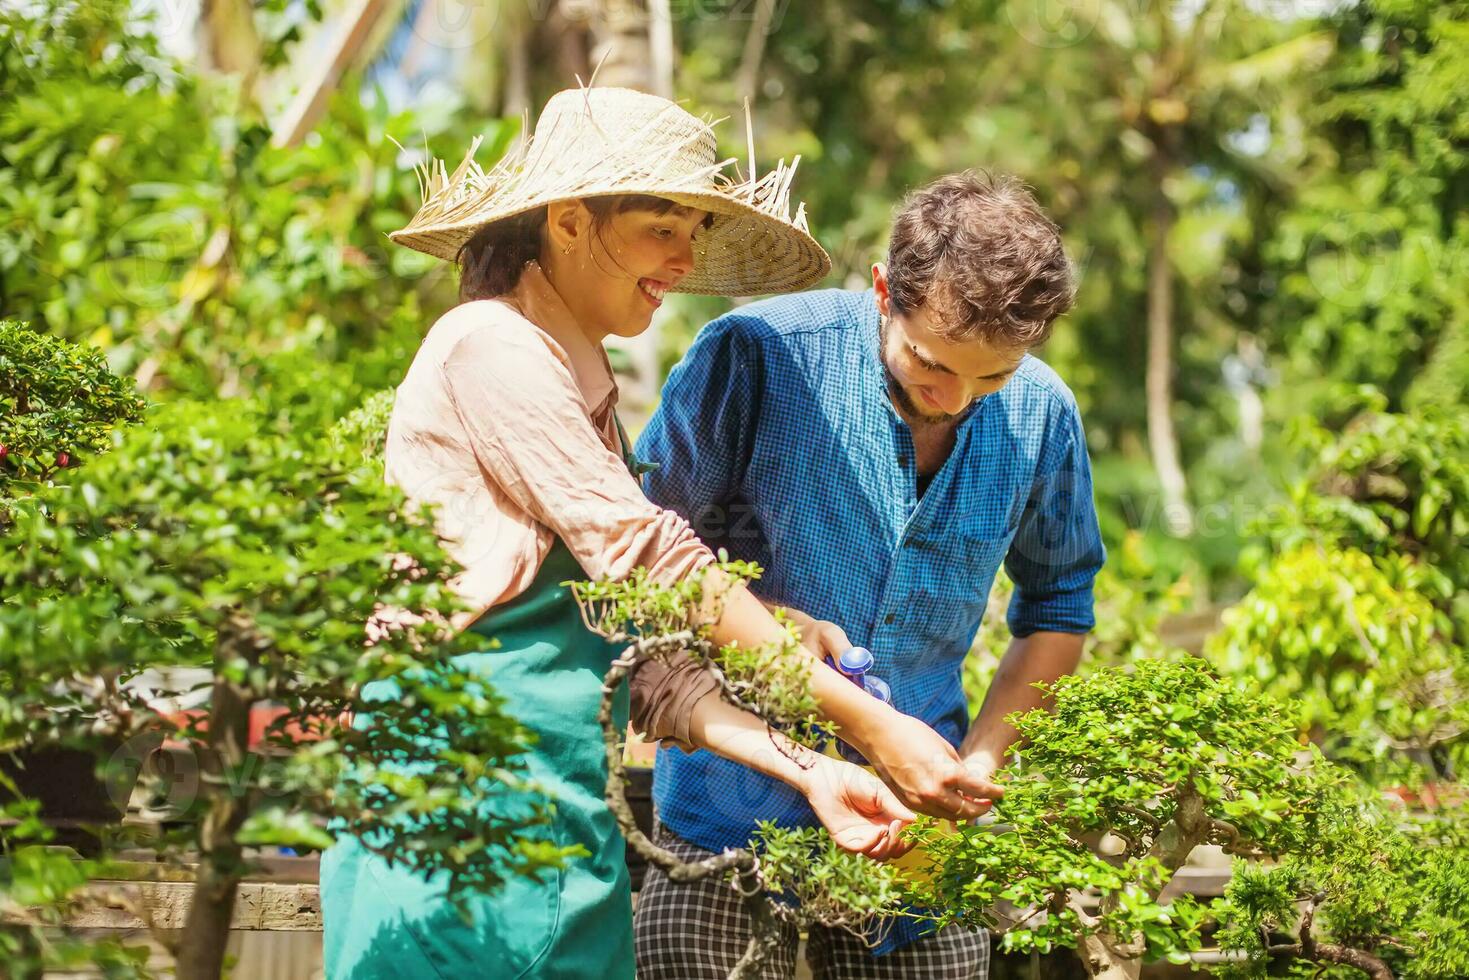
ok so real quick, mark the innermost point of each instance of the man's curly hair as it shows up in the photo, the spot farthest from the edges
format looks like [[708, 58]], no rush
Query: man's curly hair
[[979, 252]]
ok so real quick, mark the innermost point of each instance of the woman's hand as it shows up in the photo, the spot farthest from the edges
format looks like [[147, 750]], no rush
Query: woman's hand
[[861, 813]]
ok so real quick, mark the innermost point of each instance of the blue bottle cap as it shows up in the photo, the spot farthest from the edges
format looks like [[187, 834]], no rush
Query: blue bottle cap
[[855, 661]]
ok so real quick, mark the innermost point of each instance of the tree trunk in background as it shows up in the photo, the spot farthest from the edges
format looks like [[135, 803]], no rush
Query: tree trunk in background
[[748, 80], [564, 36], [621, 46], [1162, 440], [660, 37], [228, 42], [221, 856]]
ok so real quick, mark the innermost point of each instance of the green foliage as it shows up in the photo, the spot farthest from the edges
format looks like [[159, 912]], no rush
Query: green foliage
[[1373, 881], [771, 680], [145, 210], [811, 877], [1371, 255], [43, 881], [58, 406], [1163, 756], [363, 432], [1359, 612], [217, 537]]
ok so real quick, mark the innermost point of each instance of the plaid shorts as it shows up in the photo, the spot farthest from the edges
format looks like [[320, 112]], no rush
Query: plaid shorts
[[699, 930]]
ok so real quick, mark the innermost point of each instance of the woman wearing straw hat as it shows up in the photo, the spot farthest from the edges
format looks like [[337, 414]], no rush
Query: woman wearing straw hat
[[506, 422]]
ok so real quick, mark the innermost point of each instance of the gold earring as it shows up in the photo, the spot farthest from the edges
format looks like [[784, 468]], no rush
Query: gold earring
[[567, 249]]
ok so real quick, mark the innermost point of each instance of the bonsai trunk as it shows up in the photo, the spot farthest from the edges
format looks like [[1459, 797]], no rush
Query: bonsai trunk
[[1109, 958], [221, 867], [1309, 949], [1162, 440], [1104, 960], [765, 927]]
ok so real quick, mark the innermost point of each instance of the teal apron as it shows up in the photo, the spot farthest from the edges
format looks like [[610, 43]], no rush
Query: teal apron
[[387, 922]]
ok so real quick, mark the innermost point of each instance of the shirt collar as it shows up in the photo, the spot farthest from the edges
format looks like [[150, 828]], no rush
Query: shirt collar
[[539, 303]]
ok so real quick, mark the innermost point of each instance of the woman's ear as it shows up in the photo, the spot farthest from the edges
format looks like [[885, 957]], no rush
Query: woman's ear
[[567, 223]]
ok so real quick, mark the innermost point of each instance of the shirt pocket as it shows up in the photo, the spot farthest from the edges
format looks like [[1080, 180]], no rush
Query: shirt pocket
[[965, 579]]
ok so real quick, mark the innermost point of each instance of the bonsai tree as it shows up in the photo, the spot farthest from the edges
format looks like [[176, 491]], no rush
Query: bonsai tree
[[1159, 757], [793, 875], [1132, 769], [1375, 894], [59, 405], [217, 537]]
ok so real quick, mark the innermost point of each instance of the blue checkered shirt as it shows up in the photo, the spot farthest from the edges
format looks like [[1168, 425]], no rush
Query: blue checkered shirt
[[776, 439]]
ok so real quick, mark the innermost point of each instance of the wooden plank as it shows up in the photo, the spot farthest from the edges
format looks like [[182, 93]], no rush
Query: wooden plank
[[310, 102], [259, 906], [279, 869], [285, 906]]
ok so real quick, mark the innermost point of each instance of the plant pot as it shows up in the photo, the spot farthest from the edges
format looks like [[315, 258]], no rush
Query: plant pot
[[77, 801]]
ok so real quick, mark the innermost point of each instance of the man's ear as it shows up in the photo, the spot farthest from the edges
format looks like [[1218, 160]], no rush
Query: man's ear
[[880, 288]]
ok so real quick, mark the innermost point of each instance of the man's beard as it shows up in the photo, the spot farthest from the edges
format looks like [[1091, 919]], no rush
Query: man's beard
[[907, 407]]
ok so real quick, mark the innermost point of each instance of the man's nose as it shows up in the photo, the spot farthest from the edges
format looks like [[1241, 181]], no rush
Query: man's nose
[[953, 398]]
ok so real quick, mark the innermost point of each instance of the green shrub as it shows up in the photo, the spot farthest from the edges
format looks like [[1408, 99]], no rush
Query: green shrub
[[1359, 609], [59, 405], [1161, 755], [1375, 893], [217, 537], [144, 209]]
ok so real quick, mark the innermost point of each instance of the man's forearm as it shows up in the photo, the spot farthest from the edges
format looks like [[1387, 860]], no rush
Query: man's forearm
[[1039, 657]]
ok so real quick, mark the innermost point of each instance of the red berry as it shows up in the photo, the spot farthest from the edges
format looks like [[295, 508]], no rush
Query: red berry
[[4, 451], [63, 460]]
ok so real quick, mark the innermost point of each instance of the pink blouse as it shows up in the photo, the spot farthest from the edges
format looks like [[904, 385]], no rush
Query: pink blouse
[[505, 423]]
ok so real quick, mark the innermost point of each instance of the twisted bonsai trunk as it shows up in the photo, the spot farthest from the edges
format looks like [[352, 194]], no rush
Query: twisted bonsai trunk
[[764, 924], [221, 857], [1111, 958]]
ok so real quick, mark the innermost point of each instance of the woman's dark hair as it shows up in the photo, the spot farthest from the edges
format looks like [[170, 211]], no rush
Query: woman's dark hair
[[490, 263]]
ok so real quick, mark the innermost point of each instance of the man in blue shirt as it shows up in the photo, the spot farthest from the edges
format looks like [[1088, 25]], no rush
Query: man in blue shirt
[[879, 454]]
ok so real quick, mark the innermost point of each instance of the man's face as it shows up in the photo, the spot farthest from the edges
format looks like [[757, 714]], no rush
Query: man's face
[[930, 379]]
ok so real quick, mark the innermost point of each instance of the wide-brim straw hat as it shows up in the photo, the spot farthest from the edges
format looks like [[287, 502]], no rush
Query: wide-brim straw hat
[[602, 141]]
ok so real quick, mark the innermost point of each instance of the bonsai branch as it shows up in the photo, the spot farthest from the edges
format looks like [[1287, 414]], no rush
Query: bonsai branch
[[1308, 948]]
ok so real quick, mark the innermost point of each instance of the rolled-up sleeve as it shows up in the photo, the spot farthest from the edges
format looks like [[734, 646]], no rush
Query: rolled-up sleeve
[[663, 697], [1057, 550], [532, 435]]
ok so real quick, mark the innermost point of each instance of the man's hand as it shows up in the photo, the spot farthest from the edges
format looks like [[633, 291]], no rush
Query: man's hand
[[981, 767], [819, 636], [927, 772], [861, 813]]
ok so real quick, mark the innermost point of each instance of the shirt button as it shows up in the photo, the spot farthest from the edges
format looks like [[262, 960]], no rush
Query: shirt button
[[889, 619], [903, 461]]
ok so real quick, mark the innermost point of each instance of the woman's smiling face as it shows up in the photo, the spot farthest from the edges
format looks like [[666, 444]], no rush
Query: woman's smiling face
[[613, 267]]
